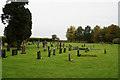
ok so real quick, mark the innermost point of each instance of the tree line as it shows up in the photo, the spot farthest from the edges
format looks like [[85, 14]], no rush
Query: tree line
[[97, 34]]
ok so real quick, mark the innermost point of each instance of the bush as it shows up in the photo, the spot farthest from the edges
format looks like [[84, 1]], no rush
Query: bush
[[116, 41]]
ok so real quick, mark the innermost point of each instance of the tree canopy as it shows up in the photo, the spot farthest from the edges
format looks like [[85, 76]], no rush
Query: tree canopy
[[19, 20]]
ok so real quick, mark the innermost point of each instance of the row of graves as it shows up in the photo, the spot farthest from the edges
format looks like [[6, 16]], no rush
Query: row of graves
[[60, 46]]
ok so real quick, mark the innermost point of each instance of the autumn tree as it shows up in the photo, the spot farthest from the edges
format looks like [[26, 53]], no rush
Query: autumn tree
[[96, 34], [70, 33]]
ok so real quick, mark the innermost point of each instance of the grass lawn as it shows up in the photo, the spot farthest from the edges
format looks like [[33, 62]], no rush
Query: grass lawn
[[58, 66]]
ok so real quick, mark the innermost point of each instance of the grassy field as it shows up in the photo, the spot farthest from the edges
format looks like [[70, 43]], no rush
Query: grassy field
[[27, 66]]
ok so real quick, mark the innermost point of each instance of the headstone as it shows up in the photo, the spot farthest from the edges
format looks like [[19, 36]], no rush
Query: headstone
[[49, 53], [33, 43], [69, 47], [48, 48], [39, 55], [93, 46], [38, 44], [63, 45], [45, 47], [3, 53], [69, 56], [84, 44], [64, 50], [105, 51], [78, 53], [60, 50], [23, 50], [8, 48], [53, 51], [51, 45], [14, 52], [60, 44]]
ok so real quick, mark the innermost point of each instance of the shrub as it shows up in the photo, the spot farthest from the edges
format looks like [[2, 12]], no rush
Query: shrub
[[116, 41]]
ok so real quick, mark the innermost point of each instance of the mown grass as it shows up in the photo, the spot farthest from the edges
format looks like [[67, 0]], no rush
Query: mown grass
[[27, 66]]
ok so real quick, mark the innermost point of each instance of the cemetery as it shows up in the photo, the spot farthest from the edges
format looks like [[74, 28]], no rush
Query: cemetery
[[41, 42], [41, 60]]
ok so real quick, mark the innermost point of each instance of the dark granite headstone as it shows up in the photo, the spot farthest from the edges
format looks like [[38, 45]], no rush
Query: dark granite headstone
[[49, 53], [105, 51], [60, 45], [60, 50], [39, 55], [78, 53], [53, 51], [3, 53], [14, 52], [64, 50]]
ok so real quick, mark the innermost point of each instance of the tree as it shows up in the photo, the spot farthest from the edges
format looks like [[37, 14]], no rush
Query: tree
[[19, 22], [54, 36], [96, 34], [79, 34], [70, 33], [87, 34], [112, 32]]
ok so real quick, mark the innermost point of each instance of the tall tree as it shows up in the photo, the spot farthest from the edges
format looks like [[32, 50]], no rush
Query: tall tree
[[112, 32], [79, 34], [96, 34], [19, 22], [87, 34], [70, 33]]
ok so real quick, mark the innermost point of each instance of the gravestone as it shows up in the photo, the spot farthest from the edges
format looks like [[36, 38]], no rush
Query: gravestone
[[69, 57], [33, 43], [105, 51], [64, 50], [14, 52], [49, 53], [8, 48], [93, 46], [78, 53], [63, 45], [38, 44], [51, 45], [39, 55], [45, 47], [84, 44], [53, 51], [60, 50], [23, 50], [48, 48], [60, 44], [3, 53]]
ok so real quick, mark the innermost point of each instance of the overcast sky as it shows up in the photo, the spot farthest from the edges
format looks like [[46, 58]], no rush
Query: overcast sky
[[55, 16]]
